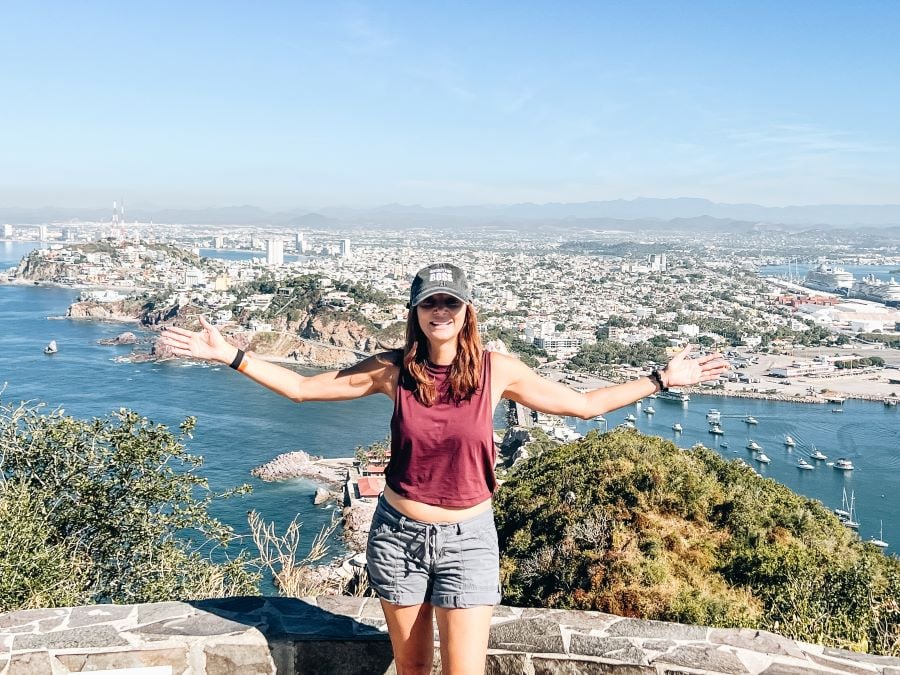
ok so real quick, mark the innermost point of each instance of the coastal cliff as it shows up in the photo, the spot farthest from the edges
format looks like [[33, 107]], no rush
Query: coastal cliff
[[118, 310]]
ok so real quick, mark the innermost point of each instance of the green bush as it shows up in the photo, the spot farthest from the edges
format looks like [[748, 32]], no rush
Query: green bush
[[633, 525], [107, 510]]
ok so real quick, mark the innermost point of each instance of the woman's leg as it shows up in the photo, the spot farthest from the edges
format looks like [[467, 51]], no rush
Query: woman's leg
[[464, 639], [412, 637]]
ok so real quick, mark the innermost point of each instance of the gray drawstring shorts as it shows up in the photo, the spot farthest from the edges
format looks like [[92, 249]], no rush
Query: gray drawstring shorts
[[445, 564]]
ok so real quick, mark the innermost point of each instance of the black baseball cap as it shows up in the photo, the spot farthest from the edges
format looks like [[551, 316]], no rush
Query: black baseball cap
[[440, 278]]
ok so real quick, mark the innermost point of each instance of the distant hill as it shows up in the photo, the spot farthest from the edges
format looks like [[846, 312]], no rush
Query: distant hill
[[667, 213]]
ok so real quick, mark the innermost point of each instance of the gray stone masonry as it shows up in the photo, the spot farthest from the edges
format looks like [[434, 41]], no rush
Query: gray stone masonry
[[347, 636]]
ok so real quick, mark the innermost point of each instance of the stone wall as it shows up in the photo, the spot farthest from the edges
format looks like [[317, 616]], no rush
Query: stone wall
[[347, 636]]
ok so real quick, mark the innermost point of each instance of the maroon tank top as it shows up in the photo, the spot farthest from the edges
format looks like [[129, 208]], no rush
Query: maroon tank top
[[443, 455]]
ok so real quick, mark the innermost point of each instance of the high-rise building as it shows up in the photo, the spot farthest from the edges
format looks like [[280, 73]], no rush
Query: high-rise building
[[345, 248], [42, 232], [274, 252], [7, 231], [219, 242], [657, 262]]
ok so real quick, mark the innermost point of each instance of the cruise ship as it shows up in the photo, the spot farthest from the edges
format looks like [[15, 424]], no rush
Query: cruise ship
[[870, 288], [829, 279]]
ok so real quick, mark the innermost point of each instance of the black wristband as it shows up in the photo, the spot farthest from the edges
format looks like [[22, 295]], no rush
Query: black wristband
[[656, 377], [238, 359]]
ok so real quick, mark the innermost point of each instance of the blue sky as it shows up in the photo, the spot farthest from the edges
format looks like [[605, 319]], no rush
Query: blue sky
[[302, 104]]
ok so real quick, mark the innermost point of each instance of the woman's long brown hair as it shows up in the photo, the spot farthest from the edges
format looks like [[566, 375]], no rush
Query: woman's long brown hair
[[465, 371]]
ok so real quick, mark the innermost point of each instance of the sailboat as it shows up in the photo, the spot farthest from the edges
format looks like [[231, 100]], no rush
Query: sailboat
[[51, 348], [880, 542], [847, 513]]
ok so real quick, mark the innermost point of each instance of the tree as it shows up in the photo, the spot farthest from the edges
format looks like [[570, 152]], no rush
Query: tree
[[119, 501]]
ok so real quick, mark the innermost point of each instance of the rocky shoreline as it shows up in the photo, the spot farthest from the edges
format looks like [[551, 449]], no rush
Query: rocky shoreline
[[300, 464]]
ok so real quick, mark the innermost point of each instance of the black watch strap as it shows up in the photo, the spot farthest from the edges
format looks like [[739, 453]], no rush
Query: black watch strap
[[656, 376]]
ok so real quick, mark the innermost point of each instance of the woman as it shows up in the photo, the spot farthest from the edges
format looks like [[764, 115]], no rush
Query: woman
[[432, 546]]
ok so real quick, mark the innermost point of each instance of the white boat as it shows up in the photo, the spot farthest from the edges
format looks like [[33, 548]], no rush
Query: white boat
[[788, 441], [51, 348], [716, 430], [843, 512], [713, 415], [630, 417], [872, 288], [843, 464], [763, 458], [880, 542], [829, 278], [818, 454], [677, 427], [673, 395], [650, 410], [753, 445], [723, 444], [803, 464], [849, 520], [750, 419]]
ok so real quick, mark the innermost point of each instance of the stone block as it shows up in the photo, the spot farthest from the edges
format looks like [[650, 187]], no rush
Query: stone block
[[845, 665], [583, 620], [27, 616], [501, 611], [32, 663], [549, 665], [791, 669], [657, 645], [203, 624], [755, 640], [527, 635], [163, 611], [833, 652], [617, 649], [228, 659], [283, 655], [243, 604], [703, 657], [505, 664], [641, 628], [343, 657], [93, 615], [372, 608], [324, 627], [175, 657], [344, 605], [75, 638]]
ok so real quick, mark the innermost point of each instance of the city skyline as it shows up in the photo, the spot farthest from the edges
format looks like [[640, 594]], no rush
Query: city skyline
[[359, 104]]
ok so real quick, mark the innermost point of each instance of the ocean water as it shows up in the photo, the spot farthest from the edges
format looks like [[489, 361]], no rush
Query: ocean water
[[242, 425]]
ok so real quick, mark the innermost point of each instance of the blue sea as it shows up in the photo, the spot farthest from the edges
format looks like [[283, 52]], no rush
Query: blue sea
[[242, 425]]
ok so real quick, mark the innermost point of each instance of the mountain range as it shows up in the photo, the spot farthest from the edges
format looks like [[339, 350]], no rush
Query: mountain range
[[643, 213]]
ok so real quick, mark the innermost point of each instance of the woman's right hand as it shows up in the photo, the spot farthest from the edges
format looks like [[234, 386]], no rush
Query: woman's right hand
[[207, 344]]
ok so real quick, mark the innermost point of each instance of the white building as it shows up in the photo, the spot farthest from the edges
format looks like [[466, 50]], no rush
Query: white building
[[7, 231], [274, 252], [345, 248], [657, 262], [42, 232], [689, 329]]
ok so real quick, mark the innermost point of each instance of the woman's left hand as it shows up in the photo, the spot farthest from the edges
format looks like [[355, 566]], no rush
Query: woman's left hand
[[682, 371]]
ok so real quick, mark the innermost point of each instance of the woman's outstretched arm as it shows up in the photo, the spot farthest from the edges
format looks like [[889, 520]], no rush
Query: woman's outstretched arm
[[370, 376], [520, 383]]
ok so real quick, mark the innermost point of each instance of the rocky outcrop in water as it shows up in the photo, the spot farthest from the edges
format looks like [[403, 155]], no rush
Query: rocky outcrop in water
[[126, 338]]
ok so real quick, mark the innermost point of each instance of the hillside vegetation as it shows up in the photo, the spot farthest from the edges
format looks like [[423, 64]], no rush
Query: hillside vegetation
[[635, 526]]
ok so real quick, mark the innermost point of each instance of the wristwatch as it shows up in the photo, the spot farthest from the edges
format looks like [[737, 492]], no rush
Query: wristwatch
[[656, 377]]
